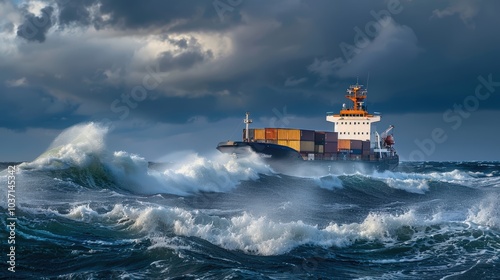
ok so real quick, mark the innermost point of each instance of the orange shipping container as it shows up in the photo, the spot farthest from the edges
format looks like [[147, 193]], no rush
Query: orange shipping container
[[260, 134], [271, 134], [282, 134], [348, 144], [344, 144], [283, 142], [294, 134], [289, 134]]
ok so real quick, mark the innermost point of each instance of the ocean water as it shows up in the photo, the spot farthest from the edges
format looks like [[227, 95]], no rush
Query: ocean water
[[85, 212]]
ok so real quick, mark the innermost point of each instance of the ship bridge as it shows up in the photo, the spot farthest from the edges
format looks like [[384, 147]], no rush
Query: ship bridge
[[354, 122]]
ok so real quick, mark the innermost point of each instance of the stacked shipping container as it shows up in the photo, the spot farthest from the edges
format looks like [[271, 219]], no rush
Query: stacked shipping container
[[297, 139], [322, 144]]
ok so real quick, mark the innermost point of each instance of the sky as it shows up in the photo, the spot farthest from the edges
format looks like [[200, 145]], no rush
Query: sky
[[169, 77]]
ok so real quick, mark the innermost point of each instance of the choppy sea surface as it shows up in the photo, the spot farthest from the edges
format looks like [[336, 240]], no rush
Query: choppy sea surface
[[85, 212]]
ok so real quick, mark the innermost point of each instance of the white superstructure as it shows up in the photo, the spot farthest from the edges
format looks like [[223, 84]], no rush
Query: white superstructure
[[354, 123]]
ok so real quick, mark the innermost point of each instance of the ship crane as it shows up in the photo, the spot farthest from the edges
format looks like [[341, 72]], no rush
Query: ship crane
[[388, 140], [384, 134], [353, 143]]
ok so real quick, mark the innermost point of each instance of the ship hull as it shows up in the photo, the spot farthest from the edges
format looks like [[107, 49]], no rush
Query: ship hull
[[282, 159]]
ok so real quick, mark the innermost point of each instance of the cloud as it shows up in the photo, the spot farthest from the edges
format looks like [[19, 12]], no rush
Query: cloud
[[178, 16], [9, 16], [291, 81], [326, 68], [7, 27], [260, 56], [25, 107], [188, 54], [17, 83], [393, 46], [34, 27], [76, 12], [465, 9]]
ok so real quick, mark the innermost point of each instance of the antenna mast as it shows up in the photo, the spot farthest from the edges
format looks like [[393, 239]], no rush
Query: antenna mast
[[247, 122]]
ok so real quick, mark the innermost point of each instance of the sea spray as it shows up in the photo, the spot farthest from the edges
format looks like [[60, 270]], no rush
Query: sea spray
[[82, 150], [87, 212]]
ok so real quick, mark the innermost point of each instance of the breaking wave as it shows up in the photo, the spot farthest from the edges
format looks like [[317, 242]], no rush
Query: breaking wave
[[260, 235], [82, 205], [81, 152]]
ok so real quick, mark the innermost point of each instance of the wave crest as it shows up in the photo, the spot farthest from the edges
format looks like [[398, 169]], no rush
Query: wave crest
[[251, 234], [81, 153]]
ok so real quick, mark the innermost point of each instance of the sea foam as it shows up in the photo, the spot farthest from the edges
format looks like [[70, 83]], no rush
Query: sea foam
[[83, 147], [419, 182], [259, 235], [486, 213]]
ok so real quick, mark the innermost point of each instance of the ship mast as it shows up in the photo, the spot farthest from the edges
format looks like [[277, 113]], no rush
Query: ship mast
[[357, 94], [354, 122], [247, 122]]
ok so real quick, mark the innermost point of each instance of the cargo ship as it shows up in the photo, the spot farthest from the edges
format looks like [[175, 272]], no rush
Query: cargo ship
[[351, 146]]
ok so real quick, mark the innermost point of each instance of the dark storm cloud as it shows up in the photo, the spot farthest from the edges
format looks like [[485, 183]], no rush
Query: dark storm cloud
[[181, 62], [76, 12], [34, 27], [218, 59], [134, 14], [24, 106], [167, 15], [286, 53], [191, 55]]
